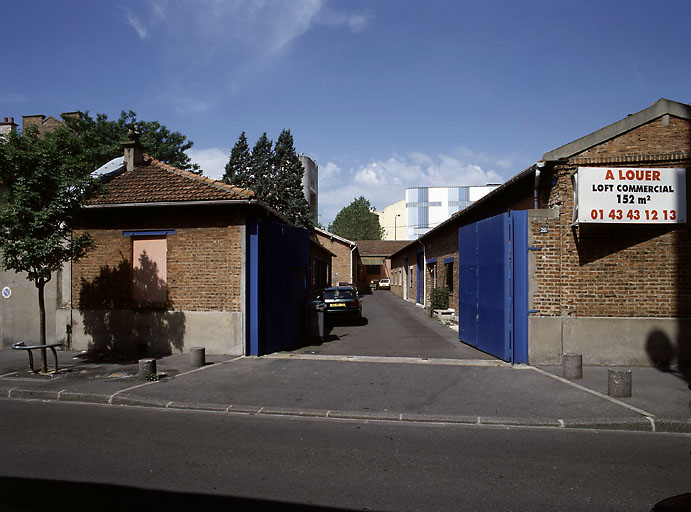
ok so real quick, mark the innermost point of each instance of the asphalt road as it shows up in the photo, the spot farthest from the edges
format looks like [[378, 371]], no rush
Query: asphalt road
[[79, 457], [392, 327]]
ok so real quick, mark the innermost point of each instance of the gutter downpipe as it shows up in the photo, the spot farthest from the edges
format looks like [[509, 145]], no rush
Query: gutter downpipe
[[354, 281], [424, 272], [538, 167]]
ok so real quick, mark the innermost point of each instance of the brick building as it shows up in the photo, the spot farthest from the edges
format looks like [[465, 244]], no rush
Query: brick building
[[183, 261], [375, 259], [605, 241], [43, 123], [344, 266]]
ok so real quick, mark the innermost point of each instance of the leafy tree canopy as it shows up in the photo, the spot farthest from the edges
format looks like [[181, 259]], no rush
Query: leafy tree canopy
[[357, 221], [45, 179], [102, 139], [273, 172]]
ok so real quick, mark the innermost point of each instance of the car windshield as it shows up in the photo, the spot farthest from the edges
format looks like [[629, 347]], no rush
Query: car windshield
[[339, 294]]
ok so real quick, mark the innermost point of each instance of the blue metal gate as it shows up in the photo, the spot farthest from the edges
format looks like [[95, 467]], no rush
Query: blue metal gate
[[493, 286], [277, 262]]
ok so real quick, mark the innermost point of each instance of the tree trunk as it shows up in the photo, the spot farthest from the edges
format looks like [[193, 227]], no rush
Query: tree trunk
[[41, 284]]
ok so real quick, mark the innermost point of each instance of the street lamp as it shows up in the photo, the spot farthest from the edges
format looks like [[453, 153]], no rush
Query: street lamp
[[394, 225]]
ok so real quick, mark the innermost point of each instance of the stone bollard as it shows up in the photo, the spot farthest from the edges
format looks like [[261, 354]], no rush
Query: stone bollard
[[198, 356], [573, 366], [618, 382], [147, 367]]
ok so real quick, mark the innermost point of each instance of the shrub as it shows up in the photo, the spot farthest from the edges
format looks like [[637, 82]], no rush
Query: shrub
[[440, 298]]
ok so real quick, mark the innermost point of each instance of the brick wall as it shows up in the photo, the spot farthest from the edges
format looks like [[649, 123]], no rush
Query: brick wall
[[442, 244], [397, 266], [340, 264], [204, 261], [608, 270]]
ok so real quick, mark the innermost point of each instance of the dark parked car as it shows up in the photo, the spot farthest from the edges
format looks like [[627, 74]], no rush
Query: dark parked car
[[342, 301]]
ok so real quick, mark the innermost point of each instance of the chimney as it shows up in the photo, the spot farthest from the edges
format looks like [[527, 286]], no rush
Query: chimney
[[134, 151], [8, 126]]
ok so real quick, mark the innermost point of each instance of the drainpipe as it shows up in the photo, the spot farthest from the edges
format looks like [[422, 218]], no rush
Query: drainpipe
[[538, 168], [424, 272], [354, 281]]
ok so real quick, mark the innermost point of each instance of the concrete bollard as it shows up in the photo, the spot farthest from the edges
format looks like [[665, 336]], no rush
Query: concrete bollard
[[198, 356], [618, 382], [573, 366], [147, 367]]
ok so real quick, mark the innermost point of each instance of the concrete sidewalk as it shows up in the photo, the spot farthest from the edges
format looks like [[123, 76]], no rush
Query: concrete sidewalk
[[477, 391]]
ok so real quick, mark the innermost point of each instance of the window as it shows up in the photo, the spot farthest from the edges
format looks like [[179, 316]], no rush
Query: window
[[410, 273], [449, 275], [373, 270], [431, 269], [149, 269]]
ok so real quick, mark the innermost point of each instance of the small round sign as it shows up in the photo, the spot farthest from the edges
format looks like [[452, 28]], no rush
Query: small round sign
[[6, 292]]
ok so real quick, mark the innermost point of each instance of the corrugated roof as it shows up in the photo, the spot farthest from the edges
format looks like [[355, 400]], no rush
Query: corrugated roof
[[156, 182]]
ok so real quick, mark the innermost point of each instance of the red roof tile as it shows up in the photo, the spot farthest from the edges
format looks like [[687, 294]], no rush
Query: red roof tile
[[156, 182]]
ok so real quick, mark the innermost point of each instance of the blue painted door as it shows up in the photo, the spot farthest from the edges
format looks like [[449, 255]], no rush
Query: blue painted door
[[467, 285], [493, 286], [277, 266]]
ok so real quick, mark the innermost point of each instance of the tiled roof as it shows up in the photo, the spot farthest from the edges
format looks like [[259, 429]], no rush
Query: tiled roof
[[156, 182], [380, 247]]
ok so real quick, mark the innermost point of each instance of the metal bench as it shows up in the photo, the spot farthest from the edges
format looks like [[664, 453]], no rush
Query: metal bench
[[22, 346]]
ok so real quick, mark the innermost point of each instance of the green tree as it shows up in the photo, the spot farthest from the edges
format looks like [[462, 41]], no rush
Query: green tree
[[274, 173], [102, 139], [46, 179], [357, 221], [239, 166], [290, 198], [262, 174]]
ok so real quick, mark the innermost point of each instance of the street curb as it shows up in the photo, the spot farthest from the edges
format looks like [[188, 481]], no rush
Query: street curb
[[632, 424]]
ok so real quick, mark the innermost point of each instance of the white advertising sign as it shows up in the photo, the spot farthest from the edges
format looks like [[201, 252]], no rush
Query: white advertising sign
[[631, 195]]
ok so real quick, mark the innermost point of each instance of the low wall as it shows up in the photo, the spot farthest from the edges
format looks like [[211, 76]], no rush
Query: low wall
[[157, 332], [661, 342]]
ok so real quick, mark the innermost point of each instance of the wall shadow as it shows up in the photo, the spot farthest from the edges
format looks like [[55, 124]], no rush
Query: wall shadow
[[596, 241], [122, 311]]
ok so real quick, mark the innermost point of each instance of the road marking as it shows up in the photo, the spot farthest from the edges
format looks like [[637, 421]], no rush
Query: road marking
[[593, 392], [386, 359]]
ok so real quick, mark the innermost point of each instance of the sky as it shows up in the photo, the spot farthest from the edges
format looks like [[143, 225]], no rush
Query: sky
[[382, 94]]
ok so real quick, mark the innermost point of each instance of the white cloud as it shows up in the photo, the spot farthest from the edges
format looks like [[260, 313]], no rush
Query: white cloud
[[356, 21], [211, 160], [243, 27], [236, 41], [136, 24], [383, 182]]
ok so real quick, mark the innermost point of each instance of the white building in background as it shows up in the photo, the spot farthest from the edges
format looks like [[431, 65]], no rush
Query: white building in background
[[310, 184], [393, 220], [427, 207]]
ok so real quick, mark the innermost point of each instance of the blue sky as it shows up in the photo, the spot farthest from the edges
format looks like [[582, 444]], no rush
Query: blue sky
[[384, 95]]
